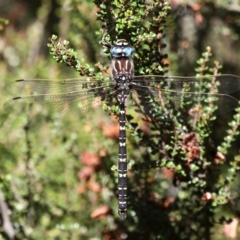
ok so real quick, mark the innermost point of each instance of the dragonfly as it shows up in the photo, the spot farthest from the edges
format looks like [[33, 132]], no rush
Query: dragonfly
[[69, 96]]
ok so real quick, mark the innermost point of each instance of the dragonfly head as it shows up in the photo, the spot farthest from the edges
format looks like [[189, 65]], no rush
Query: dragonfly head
[[121, 49]]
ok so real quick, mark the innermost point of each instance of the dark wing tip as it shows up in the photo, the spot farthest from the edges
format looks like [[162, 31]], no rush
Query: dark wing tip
[[20, 80]]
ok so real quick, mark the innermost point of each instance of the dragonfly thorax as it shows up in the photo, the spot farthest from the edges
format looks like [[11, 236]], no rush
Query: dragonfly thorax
[[122, 69]]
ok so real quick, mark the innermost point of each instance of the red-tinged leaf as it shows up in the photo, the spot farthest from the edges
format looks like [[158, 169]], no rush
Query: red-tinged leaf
[[111, 130], [100, 212], [230, 229], [81, 190], [85, 173], [145, 128], [196, 6], [219, 157], [168, 173], [191, 145], [168, 201], [90, 159], [207, 196], [198, 17], [94, 186], [116, 235], [103, 152]]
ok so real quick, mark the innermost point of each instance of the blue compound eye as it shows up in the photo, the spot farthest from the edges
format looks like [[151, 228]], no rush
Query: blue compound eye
[[128, 51], [118, 51]]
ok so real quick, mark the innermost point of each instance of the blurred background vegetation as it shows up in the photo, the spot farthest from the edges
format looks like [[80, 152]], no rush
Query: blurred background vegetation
[[56, 180]]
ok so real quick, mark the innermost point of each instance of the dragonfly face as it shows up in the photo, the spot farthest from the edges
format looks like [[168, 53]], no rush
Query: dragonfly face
[[121, 49]]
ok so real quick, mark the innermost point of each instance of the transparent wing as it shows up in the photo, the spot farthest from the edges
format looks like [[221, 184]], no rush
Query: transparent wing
[[225, 84], [71, 97], [26, 87], [67, 98], [191, 91]]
